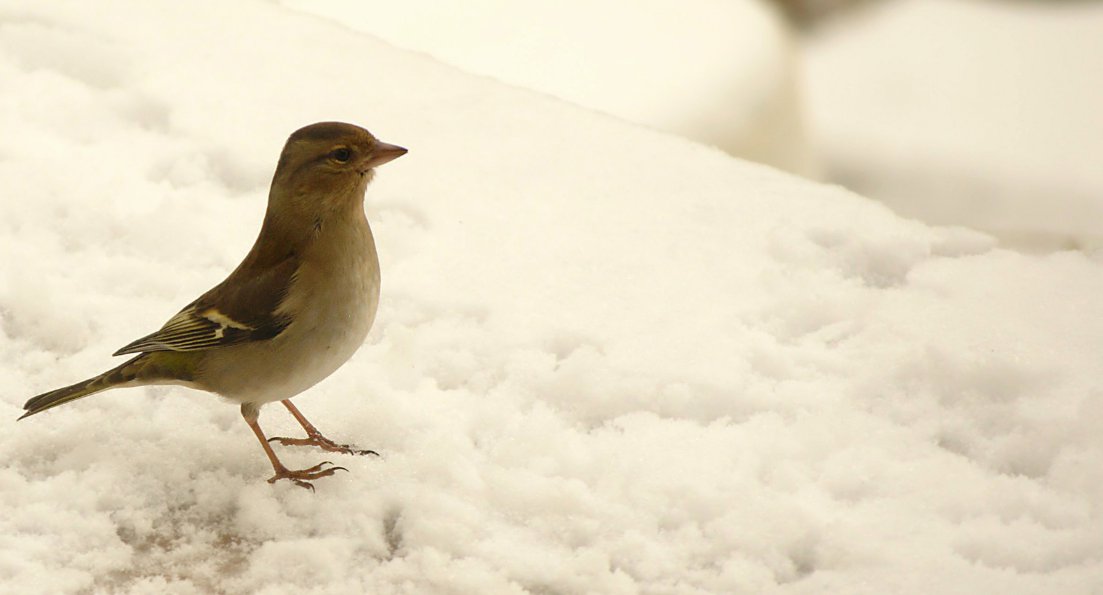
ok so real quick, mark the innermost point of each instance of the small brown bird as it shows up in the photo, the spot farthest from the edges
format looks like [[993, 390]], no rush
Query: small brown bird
[[295, 310]]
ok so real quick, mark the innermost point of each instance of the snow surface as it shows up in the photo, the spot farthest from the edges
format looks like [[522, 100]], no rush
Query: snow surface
[[722, 72], [607, 360], [983, 114]]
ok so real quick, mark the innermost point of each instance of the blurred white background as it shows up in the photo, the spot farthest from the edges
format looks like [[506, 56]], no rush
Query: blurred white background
[[983, 113], [979, 113]]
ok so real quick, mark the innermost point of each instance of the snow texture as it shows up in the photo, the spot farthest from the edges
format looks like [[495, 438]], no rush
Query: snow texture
[[607, 360], [984, 114], [721, 72]]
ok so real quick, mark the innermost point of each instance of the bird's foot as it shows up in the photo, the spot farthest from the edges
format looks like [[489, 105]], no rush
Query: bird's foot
[[303, 477], [315, 439]]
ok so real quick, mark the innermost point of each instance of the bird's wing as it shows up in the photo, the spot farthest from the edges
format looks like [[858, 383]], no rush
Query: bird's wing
[[242, 308]]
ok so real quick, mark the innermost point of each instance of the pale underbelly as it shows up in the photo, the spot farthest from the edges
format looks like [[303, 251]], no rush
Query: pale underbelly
[[304, 354]]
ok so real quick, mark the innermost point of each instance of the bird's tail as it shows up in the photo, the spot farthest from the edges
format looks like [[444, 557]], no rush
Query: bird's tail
[[120, 376]]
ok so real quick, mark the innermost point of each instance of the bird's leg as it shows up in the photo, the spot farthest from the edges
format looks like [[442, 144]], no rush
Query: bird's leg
[[314, 437], [302, 477]]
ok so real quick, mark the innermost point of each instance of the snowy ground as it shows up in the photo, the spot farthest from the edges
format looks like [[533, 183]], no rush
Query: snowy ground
[[607, 360]]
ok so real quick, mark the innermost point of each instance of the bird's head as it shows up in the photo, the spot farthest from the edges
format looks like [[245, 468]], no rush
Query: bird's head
[[328, 165]]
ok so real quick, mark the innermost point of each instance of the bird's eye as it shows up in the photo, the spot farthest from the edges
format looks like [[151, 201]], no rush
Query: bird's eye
[[341, 155]]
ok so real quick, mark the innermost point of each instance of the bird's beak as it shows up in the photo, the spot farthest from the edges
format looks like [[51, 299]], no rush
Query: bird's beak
[[382, 154]]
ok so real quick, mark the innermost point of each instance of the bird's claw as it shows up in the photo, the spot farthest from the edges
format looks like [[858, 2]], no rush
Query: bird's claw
[[323, 443], [303, 477]]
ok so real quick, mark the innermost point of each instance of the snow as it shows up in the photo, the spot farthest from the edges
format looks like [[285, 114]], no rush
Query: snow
[[721, 72], [983, 114], [607, 359]]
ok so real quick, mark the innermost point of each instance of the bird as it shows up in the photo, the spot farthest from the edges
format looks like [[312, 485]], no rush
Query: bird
[[294, 311]]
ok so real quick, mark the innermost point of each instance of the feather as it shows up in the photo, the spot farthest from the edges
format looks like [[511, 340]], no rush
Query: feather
[[245, 307]]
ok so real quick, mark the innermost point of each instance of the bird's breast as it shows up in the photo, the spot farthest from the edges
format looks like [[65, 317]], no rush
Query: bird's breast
[[331, 303]]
